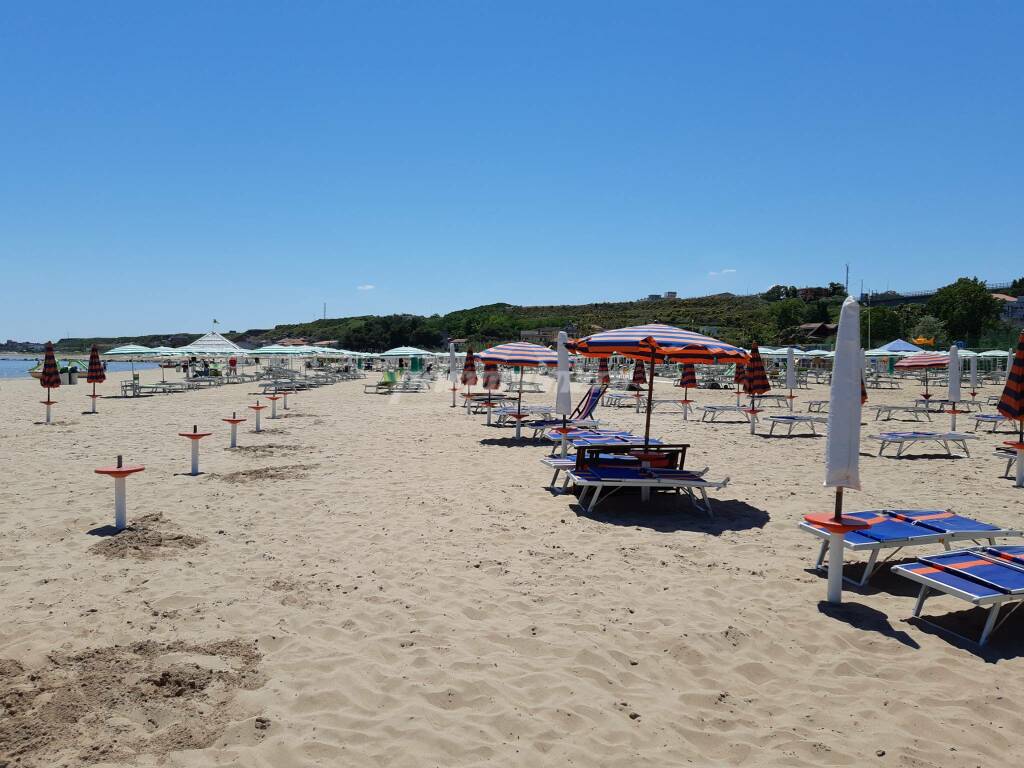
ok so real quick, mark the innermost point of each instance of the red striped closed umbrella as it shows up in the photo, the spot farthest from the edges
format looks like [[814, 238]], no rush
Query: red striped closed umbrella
[[603, 377], [739, 380], [688, 377], [50, 376], [96, 375], [1011, 403], [639, 374], [469, 369], [756, 382], [492, 377], [924, 361]]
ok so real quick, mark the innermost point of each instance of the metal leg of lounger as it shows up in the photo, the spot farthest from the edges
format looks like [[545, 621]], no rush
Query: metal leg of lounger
[[820, 562], [554, 478], [990, 623], [771, 430], [593, 501], [869, 568], [921, 597]]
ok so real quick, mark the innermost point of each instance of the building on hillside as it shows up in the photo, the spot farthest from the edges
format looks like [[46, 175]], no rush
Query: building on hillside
[[812, 294], [540, 335], [660, 296], [817, 331], [1013, 308], [292, 342]]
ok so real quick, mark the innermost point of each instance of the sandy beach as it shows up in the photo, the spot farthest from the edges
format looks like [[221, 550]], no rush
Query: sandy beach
[[386, 581]]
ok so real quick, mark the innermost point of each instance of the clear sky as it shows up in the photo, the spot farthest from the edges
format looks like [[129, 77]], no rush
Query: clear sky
[[162, 164]]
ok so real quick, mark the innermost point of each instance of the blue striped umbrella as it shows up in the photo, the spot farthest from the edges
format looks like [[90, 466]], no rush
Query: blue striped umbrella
[[657, 342]]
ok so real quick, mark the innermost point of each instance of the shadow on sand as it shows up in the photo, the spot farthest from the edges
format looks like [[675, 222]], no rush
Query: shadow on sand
[[671, 513]]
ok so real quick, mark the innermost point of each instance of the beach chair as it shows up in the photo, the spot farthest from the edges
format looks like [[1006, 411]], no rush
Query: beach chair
[[795, 420], [987, 577], [817, 406], [606, 468], [581, 416], [903, 440], [995, 419], [714, 411], [386, 385], [896, 529], [1009, 455], [887, 412]]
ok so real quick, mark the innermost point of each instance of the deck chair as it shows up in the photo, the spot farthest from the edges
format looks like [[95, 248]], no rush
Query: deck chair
[[895, 529], [582, 416], [987, 577]]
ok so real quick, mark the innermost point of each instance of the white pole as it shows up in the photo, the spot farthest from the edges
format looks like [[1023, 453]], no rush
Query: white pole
[[273, 408], [284, 401], [47, 413], [519, 424], [234, 436], [753, 420], [835, 568], [120, 504], [258, 422], [195, 457], [93, 409]]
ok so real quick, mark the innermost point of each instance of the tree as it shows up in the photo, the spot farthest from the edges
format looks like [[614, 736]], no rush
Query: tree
[[880, 324], [929, 327], [788, 313], [775, 293], [836, 289], [1017, 287], [966, 308]]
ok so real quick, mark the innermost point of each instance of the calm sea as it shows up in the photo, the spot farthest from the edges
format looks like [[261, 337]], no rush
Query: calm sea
[[17, 368]]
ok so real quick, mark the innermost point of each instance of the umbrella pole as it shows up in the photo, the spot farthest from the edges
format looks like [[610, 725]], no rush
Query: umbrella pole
[[650, 399], [519, 406], [835, 554]]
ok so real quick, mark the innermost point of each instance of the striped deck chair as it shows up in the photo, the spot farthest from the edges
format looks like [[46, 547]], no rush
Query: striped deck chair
[[582, 416], [987, 577]]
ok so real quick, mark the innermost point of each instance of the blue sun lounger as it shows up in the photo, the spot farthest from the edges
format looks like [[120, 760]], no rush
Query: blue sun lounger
[[599, 478], [894, 529], [988, 577]]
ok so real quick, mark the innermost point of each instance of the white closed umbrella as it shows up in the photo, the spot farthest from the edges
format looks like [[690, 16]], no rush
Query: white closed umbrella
[[974, 375], [842, 447], [953, 393], [790, 374], [453, 375], [563, 391]]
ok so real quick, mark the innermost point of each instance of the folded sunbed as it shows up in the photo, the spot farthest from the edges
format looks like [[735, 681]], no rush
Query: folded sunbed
[[895, 529], [988, 577]]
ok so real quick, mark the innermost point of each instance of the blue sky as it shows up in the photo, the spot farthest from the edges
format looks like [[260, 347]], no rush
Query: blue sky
[[164, 164]]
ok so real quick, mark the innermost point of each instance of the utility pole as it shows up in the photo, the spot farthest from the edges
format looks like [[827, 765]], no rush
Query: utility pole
[[847, 278], [325, 310]]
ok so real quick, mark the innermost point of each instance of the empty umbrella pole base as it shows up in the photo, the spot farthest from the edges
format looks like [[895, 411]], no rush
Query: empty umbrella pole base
[[836, 530], [119, 473]]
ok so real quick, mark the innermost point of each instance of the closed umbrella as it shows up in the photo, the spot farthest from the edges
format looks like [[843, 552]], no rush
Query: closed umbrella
[[491, 382], [453, 374], [639, 374], [563, 388], [521, 354], [469, 371], [790, 375], [1011, 405], [842, 447], [739, 380], [973, 363], [757, 383], [953, 391], [603, 377], [96, 374], [50, 376], [687, 379]]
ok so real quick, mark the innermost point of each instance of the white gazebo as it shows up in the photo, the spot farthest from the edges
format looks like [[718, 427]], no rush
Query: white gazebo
[[212, 345]]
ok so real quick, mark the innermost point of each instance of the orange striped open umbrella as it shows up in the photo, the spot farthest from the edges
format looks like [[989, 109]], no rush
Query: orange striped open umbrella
[[1011, 403]]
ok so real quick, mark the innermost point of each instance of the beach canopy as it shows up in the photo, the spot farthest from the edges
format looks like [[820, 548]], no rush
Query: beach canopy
[[211, 345], [657, 341], [993, 353], [165, 352], [275, 349], [130, 350], [924, 360], [50, 376], [96, 374], [406, 352], [520, 353], [899, 345]]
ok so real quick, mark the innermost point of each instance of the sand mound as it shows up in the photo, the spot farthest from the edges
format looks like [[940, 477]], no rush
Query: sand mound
[[282, 472], [146, 538], [270, 449], [166, 697]]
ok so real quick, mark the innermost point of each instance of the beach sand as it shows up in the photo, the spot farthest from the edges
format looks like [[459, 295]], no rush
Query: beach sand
[[386, 581]]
